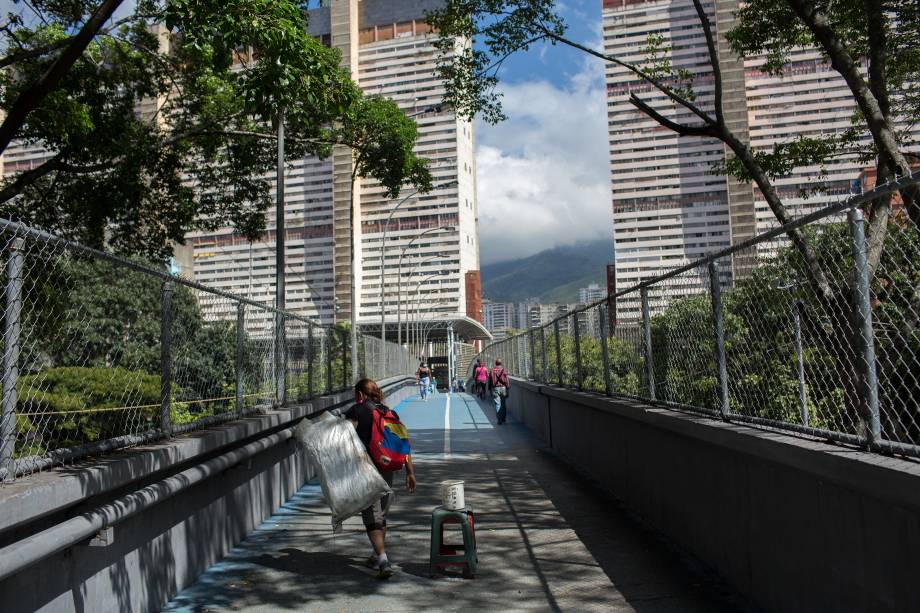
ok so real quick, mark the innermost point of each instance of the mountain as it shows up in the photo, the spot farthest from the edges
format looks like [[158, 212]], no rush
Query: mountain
[[553, 275]]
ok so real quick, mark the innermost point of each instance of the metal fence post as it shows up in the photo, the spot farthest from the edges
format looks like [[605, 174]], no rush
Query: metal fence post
[[280, 360], [862, 312], [240, 350], [516, 354], [579, 373], [328, 345], [803, 394], [558, 353], [647, 336], [533, 357], [11, 333], [344, 360], [166, 313], [543, 351], [719, 336], [605, 350], [310, 355]]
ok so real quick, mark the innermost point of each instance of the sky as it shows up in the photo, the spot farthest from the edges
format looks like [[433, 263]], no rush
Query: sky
[[543, 174]]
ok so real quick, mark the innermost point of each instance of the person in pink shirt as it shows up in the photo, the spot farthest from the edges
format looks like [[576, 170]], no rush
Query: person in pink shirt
[[480, 376]]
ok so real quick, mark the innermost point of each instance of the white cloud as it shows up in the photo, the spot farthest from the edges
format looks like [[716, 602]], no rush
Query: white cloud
[[543, 174]]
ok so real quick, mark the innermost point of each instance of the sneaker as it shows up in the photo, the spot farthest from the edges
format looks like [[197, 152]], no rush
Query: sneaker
[[385, 570], [372, 562]]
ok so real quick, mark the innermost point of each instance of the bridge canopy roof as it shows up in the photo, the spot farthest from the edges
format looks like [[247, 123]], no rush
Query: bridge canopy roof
[[465, 328]]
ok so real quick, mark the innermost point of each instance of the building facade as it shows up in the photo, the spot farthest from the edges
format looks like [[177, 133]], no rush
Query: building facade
[[592, 293], [498, 317], [668, 206], [431, 254]]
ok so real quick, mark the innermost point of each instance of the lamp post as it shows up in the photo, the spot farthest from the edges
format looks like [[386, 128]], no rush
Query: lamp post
[[383, 246], [280, 349], [416, 293], [399, 274], [419, 265], [422, 326]]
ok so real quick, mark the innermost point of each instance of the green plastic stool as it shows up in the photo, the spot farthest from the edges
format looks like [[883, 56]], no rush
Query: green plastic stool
[[442, 555]]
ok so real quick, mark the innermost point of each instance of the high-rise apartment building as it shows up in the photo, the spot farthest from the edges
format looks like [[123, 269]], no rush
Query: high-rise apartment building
[[592, 293], [808, 99], [431, 253], [498, 317], [668, 207]]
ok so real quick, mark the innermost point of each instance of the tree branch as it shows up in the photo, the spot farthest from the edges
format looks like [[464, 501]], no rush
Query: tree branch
[[669, 92], [704, 130], [872, 109], [816, 275], [879, 214], [28, 177], [28, 54], [32, 97], [713, 60]]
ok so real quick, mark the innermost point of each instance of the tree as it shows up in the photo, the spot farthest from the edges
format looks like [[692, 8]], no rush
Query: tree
[[885, 36], [90, 354], [381, 140], [211, 74], [92, 313], [510, 26]]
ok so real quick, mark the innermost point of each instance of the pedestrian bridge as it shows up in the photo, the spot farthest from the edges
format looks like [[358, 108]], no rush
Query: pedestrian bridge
[[725, 436], [583, 503]]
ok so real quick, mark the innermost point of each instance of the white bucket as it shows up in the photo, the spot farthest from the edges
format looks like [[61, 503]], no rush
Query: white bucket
[[452, 495]]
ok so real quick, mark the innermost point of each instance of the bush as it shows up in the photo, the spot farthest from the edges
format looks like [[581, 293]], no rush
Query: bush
[[65, 406]]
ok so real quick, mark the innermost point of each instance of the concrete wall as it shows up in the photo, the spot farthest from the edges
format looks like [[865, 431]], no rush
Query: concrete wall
[[793, 524], [158, 552]]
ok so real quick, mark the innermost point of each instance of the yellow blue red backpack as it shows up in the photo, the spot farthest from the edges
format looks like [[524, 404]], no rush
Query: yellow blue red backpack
[[389, 446]]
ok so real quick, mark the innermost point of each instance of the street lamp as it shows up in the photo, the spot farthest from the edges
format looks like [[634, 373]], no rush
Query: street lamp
[[416, 293], [383, 246], [399, 276]]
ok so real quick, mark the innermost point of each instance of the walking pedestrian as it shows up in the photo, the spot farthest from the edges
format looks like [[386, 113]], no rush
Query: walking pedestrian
[[423, 380], [369, 408], [481, 378], [499, 383]]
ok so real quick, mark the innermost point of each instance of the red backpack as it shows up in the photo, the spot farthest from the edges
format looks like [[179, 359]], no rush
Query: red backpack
[[389, 446]]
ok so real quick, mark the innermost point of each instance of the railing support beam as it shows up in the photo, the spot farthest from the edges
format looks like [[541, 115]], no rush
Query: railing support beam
[[715, 289], [605, 350], [240, 354], [647, 338], [864, 336], [12, 327], [166, 317]]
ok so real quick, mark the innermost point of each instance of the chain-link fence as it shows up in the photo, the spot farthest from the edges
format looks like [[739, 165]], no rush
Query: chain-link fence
[[818, 335], [101, 352]]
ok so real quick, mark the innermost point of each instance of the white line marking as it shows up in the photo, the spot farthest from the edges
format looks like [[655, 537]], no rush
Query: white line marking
[[447, 427]]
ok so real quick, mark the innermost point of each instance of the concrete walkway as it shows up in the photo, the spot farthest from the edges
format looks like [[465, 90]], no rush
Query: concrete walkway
[[546, 540]]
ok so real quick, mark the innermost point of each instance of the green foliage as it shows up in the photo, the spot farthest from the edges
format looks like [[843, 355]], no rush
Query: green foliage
[[785, 157], [657, 64], [196, 156], [382, 139], [65, 406], [759, 315], [500, 29], [92, 317], [773, 28]]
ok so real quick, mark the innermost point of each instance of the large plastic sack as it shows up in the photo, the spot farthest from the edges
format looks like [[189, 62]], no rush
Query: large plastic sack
[[349, 479]]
